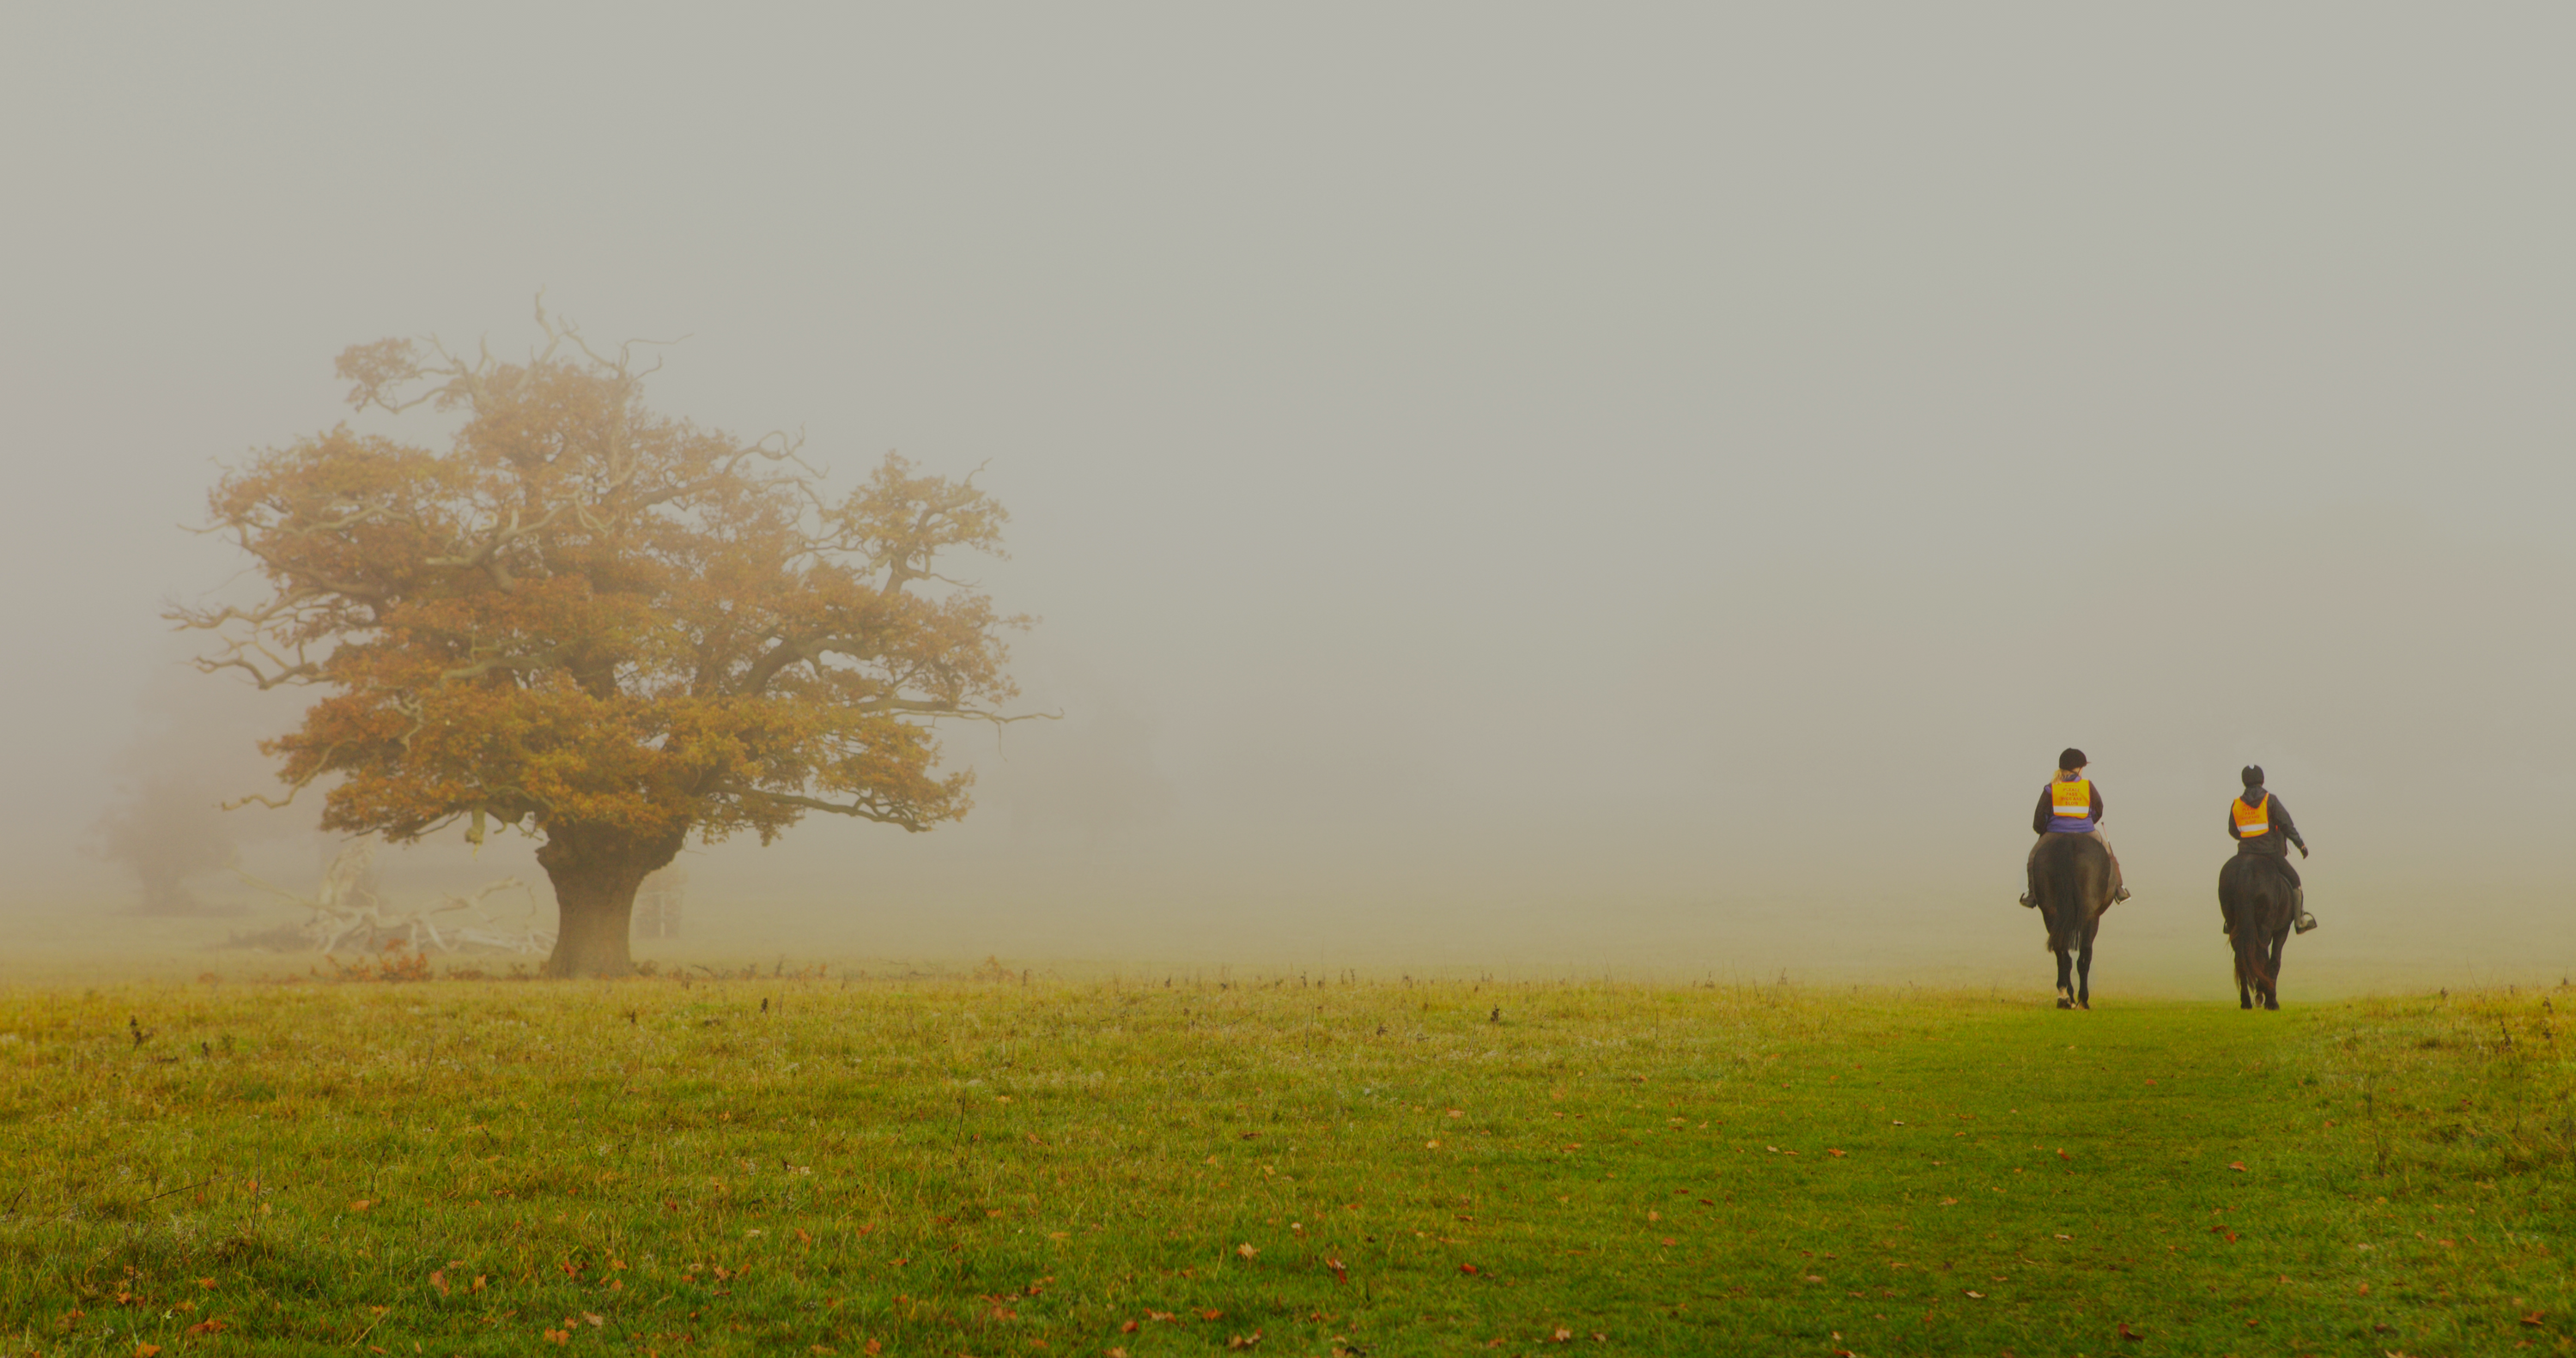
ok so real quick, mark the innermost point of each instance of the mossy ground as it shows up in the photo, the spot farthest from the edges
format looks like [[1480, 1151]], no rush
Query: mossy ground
[[996, 1168]]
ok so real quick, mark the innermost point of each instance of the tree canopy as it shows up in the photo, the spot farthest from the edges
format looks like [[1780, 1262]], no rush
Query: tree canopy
[[605, 626]]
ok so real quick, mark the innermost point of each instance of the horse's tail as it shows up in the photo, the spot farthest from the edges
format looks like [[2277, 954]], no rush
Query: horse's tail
[[2238, 889], [2060, 886], [2249, 955]]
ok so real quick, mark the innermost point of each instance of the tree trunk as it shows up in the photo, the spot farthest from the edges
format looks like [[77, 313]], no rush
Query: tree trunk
[[595, 874]]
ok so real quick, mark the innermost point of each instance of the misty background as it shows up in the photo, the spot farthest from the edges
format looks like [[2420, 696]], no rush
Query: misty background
[[1640, 489]]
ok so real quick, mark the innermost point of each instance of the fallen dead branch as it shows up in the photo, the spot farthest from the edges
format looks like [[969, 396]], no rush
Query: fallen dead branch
[[347, 912]]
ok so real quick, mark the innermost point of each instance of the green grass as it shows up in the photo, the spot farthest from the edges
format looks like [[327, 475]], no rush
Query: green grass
[[945, 1167]]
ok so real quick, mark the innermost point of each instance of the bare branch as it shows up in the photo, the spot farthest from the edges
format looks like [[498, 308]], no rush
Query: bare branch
[[280, 803], [513, 663], [854, 808], [266, 680]]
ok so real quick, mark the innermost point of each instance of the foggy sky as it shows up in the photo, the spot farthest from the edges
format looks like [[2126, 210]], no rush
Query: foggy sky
[[1504, 486]]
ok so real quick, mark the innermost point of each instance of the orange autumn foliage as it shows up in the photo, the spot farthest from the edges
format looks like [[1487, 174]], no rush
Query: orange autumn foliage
[[605, 626]]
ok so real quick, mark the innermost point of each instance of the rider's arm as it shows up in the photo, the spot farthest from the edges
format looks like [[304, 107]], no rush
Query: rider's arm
[[2097, 803], [2232, 831], [2289, 828], [2039, 819]]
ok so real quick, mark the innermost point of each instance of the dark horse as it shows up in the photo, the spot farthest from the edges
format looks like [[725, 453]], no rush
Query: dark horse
[[2071, 885], [2260, 905]]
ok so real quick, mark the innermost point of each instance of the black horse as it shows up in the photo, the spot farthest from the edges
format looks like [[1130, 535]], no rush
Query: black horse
[[2071, 885], [2260, 904]]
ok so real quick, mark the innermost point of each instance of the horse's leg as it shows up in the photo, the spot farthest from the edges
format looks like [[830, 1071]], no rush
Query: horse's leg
[[2272, 989], [2065, 988], [2244, 983], [2084, 966]]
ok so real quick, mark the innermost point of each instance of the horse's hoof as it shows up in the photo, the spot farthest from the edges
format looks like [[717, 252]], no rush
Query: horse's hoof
[[2065, 1003], [2083, 1004]]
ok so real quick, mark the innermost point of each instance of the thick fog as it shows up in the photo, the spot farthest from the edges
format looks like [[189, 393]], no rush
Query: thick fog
[[1536, 489]]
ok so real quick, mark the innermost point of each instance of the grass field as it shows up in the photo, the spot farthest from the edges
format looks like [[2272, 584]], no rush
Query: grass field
[[784, 1165]]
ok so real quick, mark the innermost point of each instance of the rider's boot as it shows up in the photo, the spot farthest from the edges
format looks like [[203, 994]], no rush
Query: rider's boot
[[2299, 907]]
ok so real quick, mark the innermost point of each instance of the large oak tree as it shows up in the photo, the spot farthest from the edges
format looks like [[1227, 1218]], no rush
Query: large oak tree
[[609, 628]]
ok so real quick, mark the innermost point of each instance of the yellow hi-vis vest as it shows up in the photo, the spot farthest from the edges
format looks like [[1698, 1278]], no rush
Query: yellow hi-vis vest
[[2071, 800], [2251, 820]]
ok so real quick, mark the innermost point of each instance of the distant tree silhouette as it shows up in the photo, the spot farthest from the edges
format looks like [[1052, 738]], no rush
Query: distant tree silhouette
[[165, 829]]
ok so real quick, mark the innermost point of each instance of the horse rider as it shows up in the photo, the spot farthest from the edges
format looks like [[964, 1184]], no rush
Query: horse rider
[[2070, 805], [2262, 827]]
